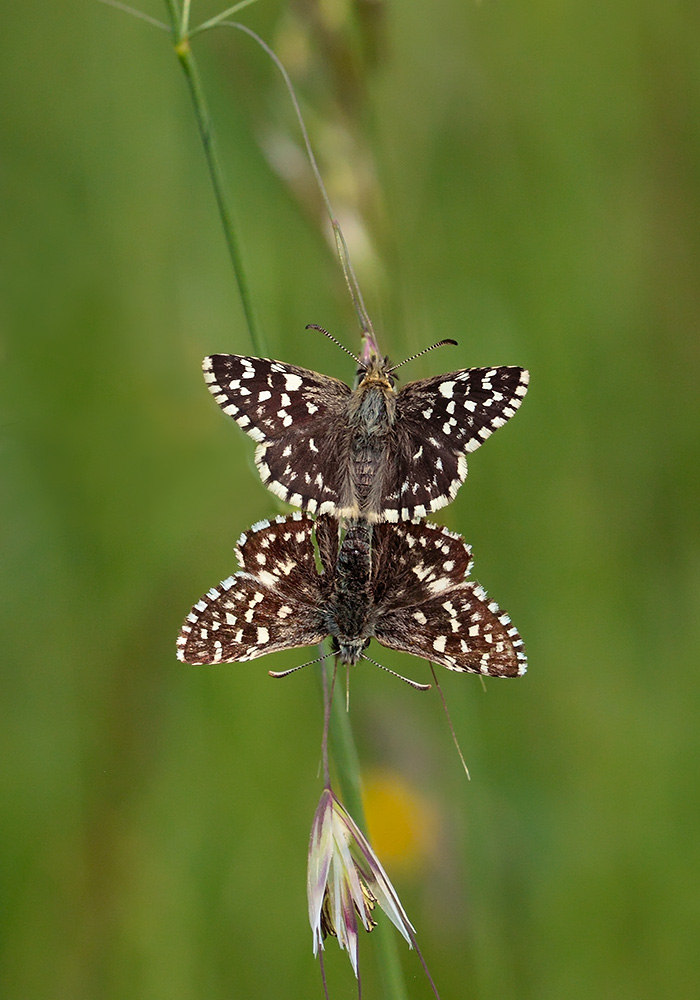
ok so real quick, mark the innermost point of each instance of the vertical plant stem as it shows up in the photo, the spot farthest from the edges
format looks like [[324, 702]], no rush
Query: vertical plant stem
[[201, 110], [343, 746], [347, 765], [344, 751]]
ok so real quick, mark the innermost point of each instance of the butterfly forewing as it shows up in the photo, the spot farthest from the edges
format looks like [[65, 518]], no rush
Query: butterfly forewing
[[403, 584], [295, 415], [438, 421], [413, 562], [242, 619]]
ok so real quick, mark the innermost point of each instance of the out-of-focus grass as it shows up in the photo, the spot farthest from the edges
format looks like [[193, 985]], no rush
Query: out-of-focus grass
[[537, 197]]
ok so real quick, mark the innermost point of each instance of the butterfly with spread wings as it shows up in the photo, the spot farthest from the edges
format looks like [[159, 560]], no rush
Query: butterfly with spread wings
[[408, 589], [372, 453]]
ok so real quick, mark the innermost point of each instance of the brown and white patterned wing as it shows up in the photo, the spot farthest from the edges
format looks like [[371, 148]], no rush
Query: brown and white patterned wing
[[242, 619], [297, 417], [438, 421], [273, 604], [461, 630], [425, 606], [415, 561], [280, 554]]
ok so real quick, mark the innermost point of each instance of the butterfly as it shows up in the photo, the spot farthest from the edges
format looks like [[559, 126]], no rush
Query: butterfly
[[372, 453], [404, 585]]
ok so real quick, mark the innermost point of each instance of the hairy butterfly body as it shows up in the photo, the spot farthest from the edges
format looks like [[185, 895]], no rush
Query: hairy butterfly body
[[408, 589], [371, 453]]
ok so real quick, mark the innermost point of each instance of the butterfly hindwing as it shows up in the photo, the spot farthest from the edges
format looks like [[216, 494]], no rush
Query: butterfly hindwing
[[308, 466], [280, 554], [327, 532], [402, 584]]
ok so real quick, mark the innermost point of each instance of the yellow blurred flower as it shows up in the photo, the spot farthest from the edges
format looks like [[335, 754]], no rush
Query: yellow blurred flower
[[403, 823]]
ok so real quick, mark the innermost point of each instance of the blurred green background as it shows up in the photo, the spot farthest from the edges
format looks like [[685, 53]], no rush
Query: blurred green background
[[525, 178]]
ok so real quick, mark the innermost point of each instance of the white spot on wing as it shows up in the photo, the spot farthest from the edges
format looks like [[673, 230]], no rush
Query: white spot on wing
[[292, 382]]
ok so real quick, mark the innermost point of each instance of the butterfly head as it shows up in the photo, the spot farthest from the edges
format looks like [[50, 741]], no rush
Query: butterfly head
[[349, 650], [375, 375], [374, 369]]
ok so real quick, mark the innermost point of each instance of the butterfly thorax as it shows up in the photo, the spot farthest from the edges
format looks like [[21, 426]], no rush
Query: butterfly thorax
[[372, 406], [371, 415]]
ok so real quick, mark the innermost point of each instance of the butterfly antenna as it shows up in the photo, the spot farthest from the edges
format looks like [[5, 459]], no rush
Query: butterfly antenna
[[449, 722], [312, 326], [293, 670], [407, 680], [440, 343]]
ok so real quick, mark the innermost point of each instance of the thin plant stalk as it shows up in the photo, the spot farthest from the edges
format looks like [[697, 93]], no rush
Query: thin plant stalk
[[347, 765], [204, 123], [213, 22]]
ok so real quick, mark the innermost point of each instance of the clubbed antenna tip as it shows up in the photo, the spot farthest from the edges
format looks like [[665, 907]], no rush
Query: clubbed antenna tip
[[313, 326], [440, 343]]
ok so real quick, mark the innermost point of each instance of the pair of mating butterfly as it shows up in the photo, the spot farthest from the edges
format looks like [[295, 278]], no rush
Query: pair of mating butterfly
[[378, 461]]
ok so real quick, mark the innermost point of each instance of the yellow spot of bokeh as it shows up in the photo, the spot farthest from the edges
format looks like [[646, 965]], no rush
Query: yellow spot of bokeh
[[403, 823]]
